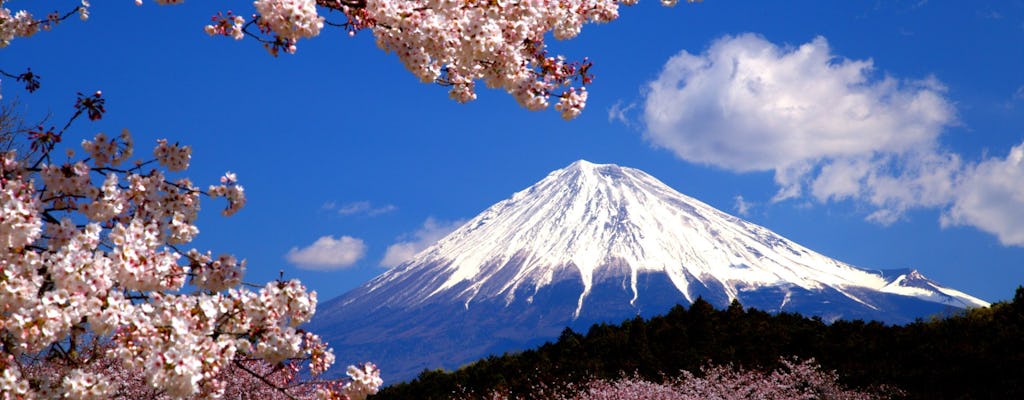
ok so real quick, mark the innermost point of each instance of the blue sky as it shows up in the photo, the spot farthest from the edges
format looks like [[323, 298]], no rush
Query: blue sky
[[877, 133]]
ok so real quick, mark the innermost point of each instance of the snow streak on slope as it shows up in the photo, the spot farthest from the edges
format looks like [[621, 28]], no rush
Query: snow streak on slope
[[595, 222]]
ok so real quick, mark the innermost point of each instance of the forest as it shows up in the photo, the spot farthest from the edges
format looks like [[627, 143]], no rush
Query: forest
[[975, 354]]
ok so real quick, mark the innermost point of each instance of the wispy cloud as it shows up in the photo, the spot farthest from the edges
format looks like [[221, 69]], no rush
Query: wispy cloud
[[411, 244], [831, 129], [742, 206], [621, 113], [328, 253], [989, 13], [365, 208]]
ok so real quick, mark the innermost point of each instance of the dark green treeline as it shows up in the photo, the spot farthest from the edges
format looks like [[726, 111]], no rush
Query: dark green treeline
[[978, 354]]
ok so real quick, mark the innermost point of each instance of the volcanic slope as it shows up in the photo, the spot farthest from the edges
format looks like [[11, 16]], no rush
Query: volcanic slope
[[598, 243]]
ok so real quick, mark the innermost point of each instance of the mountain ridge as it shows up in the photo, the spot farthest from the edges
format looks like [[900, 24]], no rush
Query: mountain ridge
[[601, 243], [471, 257]]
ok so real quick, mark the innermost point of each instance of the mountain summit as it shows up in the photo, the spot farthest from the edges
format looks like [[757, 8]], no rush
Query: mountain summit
[[600, 243]]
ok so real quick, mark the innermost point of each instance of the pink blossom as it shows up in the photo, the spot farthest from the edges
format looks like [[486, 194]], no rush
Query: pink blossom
[[454, 43], [80, 261]]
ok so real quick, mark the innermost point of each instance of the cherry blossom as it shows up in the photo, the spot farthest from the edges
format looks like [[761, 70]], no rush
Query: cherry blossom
[[365, 380], [244, 378], [18, 24], [796, 379], [21, 23], [95, 284], [454, 43]]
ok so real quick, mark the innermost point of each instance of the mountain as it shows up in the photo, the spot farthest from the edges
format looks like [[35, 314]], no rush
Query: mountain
[[598, 243]]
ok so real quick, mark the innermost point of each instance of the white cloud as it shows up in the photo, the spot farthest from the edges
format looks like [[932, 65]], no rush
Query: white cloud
[[749, 105], [840, 179], [360, 208], [830, 130], [991, 198], [328, 253], [742, 206], [892, 184], [825, 125], [404, 250], [620, 112]]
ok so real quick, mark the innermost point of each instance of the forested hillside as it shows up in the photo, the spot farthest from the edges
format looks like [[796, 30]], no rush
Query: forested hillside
[[976, 354]]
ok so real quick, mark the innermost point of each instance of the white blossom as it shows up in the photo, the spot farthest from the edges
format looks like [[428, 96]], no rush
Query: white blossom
[[79, 260]]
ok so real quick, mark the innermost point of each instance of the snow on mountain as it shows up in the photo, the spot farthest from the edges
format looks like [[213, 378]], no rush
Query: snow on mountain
[[601, 243], [913, 284], [595, 220]]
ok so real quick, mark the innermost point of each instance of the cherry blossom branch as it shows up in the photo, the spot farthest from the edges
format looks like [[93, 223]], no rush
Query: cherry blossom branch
[[45, 140], [55, 17], [450, 43], [31, 79], [100, 258], [263, 379], [454, 43], [340, 5], [23, 24]]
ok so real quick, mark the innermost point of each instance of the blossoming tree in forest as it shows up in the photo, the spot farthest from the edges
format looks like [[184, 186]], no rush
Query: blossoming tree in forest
[[795, 379]]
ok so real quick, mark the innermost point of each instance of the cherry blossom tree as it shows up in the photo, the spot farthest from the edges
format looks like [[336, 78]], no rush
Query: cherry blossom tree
[[794, 380], [100, 295], [11, 123], [455, 43], [243, 379], [100, 299]]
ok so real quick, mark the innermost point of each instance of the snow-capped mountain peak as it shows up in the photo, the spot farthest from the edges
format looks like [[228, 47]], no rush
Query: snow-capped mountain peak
[[594, 243], [595, 222]]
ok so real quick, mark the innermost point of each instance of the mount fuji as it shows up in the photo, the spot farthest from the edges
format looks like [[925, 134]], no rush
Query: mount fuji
[[595, 243]]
